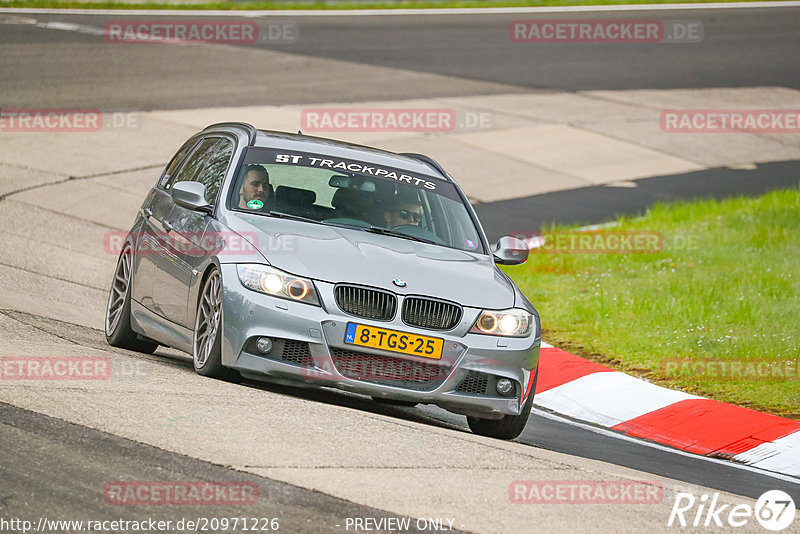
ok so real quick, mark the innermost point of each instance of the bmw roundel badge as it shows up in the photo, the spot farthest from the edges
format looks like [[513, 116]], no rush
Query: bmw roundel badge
[[399, 283]]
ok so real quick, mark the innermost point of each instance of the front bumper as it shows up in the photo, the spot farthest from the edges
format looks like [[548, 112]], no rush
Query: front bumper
[[309, 350]]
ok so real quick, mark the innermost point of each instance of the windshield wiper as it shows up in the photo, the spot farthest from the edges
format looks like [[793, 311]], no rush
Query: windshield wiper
[[371, 229], [283, 215], [393, 233]]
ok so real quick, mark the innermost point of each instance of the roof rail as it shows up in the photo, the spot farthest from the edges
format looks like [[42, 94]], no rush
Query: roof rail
[[426, 159], [251, 131]]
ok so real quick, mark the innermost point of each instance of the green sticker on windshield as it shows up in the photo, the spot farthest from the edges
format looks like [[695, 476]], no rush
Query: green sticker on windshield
[[255, 204]]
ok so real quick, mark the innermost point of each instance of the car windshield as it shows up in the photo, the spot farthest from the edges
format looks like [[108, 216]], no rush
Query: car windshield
[[351, 193]]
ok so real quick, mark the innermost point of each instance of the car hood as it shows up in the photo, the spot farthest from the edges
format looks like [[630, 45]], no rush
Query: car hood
[[345, 255]]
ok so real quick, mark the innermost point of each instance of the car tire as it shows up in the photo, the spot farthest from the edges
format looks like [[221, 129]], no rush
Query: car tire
[[509, 427], [207, 337], [118, 310]]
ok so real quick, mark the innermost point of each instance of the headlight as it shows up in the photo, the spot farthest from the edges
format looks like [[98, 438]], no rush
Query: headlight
[[509, 323], [277, 283]]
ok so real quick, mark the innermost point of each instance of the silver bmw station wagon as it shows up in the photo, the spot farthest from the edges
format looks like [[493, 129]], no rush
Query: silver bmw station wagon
[[317, 263]]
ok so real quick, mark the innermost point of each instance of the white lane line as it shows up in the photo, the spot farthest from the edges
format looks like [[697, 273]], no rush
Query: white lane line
[[54, 25], [89, 30], [664, 448], [406, 12], [67, 26], [622, 184]]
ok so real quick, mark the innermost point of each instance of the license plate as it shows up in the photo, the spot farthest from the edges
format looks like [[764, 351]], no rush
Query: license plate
[[394, 341]]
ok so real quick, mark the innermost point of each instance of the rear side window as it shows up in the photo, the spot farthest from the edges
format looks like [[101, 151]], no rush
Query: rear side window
[[192, 167], [175, 162], [213, 172]]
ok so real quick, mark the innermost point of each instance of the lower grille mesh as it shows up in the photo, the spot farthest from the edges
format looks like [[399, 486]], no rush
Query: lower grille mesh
[[475, 383], [389, 371], [296, 352], [285, 350]]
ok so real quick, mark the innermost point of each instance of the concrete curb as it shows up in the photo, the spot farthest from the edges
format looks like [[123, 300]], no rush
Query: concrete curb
[[587, 391]]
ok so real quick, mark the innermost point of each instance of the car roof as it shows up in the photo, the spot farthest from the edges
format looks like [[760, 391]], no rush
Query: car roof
[[300, 142]]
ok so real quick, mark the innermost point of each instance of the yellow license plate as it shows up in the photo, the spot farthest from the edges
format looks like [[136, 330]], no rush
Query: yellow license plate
[[392, 340]]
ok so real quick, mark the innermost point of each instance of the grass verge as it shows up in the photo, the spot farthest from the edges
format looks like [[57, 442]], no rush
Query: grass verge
[[325, 5], [714, 313]]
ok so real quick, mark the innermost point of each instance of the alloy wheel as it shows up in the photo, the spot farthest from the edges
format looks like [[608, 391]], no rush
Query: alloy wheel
[[119, 290], [209, 313]]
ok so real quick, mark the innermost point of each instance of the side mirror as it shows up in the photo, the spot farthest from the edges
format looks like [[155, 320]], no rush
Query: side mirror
[[510, 251], [191, 195]]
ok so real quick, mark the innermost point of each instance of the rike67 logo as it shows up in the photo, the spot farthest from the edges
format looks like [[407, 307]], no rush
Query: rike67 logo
[[774, 510]]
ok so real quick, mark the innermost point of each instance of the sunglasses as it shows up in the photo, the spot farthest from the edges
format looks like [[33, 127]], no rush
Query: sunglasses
[[409, 215]]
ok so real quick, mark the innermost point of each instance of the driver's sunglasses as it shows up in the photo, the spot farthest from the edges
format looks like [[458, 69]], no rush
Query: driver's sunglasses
[[409, 215]]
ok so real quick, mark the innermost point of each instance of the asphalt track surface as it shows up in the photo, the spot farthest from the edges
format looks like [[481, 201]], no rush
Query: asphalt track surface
[[65, 68], [468, 54], [73, 462]]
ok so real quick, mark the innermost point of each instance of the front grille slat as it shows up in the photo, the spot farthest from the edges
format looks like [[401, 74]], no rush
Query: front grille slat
[[430, 314], [365, 302]]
